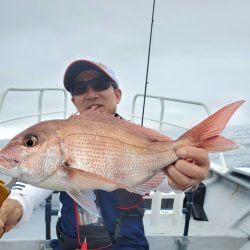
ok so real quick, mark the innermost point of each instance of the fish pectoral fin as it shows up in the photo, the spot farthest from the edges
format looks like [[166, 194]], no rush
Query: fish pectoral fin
[[82, 180], [83, 184], [150, 185], [86, 200], [67, 163]]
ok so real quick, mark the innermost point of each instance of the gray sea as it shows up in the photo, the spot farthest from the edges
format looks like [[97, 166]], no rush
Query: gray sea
[[240, 157]]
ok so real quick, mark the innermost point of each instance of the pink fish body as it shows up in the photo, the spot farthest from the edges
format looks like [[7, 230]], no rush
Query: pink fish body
[[99, 151]]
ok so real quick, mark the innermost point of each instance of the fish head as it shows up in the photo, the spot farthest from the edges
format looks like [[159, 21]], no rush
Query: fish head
[[32, 155]]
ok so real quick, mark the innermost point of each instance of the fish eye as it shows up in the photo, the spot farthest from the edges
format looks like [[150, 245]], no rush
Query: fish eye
[[31, 141]]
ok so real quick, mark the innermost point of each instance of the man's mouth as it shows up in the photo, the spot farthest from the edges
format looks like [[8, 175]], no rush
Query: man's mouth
[[95, 107]]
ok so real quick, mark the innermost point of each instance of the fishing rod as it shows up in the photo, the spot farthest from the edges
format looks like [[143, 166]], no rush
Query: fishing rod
[[181, 242], [149, 49]]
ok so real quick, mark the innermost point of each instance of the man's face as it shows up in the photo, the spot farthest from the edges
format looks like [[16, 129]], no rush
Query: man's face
[[104, 100]]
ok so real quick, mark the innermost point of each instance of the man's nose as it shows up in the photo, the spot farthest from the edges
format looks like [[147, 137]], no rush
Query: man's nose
[[91, 94]]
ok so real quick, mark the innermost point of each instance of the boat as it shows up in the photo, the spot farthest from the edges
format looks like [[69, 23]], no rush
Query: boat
[[215, 216]]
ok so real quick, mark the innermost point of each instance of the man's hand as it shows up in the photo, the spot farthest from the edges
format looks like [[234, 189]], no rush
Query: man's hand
[[11, 212], [190, 170]]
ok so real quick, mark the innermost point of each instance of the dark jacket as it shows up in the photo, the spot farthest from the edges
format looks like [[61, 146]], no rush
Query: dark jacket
[[131, 233]]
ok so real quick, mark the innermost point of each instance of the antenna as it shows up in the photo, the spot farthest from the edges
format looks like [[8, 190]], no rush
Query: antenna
[[146, 82]]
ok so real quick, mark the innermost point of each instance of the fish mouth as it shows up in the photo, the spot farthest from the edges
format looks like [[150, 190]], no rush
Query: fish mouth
[[8, 162], [11, 167]]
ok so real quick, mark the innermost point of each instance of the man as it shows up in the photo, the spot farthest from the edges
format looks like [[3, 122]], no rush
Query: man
[[94, 86]]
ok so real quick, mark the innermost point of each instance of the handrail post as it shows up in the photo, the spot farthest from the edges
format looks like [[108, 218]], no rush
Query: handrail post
[[40, 102], [156, 208], [161, 114]]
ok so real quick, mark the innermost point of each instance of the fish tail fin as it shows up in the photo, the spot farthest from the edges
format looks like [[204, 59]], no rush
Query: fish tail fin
[[206, 134]]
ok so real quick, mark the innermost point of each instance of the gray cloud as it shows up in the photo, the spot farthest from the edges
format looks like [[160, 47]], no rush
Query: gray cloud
[[200, 50]]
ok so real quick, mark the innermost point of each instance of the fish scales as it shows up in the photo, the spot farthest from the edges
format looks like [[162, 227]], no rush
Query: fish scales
[[107, 152]]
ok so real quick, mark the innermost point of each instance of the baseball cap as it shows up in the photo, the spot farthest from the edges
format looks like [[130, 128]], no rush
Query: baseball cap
[[79, 66]]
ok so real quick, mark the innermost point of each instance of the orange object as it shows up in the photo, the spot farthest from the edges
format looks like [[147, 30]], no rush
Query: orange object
[[84, 245], [4, 192]]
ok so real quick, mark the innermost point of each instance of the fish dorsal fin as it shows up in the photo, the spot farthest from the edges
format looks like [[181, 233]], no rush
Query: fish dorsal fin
[[112, 120]]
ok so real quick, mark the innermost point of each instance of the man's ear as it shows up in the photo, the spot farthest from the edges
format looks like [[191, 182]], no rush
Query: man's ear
[[118, 94], [73, 100]]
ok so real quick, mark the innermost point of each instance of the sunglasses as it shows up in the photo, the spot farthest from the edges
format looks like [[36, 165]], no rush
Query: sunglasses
[[97, 84]]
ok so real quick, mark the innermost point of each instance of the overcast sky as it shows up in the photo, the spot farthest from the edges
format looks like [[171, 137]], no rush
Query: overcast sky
[[200, 49]]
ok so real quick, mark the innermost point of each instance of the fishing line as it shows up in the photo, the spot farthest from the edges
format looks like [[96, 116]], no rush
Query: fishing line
[[149, 49]]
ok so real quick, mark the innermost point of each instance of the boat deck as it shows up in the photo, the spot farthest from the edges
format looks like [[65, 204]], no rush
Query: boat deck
[[227, 229], [201, 236]]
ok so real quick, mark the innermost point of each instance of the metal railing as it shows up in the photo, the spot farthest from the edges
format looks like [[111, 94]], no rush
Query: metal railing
[[40, 113], [158, 196], [161, 121], [162, 109]]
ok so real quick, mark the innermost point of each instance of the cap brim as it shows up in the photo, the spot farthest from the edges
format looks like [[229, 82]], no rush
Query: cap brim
[[79, 66]]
